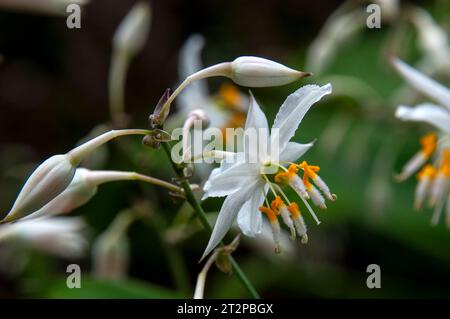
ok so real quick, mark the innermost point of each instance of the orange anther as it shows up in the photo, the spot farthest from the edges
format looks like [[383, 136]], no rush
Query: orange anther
[[271, 214], [428, 143]]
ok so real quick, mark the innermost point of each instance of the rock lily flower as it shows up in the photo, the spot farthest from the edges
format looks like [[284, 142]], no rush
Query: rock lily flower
[[434, 157], [55, 174], [245, 177]]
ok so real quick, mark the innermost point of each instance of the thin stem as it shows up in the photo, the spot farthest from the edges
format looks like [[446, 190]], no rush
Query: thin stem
[[204, 220], [118, 70], [201, 279], [158, 182]]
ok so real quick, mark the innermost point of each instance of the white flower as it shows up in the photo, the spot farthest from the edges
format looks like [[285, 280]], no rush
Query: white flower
[[434, 178], [132, 32], [110, 252], [61, 236], [246, 181], [55, 174]]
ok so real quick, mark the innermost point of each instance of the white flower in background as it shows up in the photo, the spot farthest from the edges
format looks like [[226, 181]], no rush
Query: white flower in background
[[434, 178], [60, 236], [129, 39], [246, 180], [110, 252], [84, 186], [55, 174]]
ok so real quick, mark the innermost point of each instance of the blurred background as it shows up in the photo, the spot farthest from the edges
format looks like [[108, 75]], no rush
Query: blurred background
[[54, 93]]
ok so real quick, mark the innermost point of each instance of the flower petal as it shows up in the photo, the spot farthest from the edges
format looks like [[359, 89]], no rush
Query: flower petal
[[228, 213], [223, 183], [423, 83], [294, 109], [256, 126], [249, 217], [426, 112], [294, 151]]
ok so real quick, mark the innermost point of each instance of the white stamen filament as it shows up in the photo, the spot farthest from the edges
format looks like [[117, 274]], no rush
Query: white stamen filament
[[311, 211], [422, 189], [411, 166], [440, 184], [300, 226]]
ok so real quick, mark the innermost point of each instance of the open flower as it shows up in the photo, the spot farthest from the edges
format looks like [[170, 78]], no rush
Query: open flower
[[434, 156], [246, 180]]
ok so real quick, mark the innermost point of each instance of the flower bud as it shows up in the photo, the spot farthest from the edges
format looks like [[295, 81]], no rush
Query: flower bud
[[133, 30], [54, 175], [258, 72], [46, 182]]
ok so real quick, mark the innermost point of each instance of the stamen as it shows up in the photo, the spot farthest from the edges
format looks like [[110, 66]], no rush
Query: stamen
[[311, 211], [299, 222], [291, 178], [280, 207], [315, 195], [428, 143], [441, 181], [276, 230], [425, 176], [310, 172]]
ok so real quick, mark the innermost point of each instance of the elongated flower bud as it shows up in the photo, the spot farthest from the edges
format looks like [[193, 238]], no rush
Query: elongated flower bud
[[84, 186], [46, 182], [133, 30], [258, 72], [53, 176]]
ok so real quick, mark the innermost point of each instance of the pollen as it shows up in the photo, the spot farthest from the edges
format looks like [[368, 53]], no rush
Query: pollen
[[428, 143], [277, 204], [230, 95], [310, 171], [270, 213], [294, 210], [444, 168], [285, 177], [428, 171]]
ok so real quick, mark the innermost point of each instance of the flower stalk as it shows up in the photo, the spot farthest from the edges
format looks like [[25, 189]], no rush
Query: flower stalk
[[204, 220]]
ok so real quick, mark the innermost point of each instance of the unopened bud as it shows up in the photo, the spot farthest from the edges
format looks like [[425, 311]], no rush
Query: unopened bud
[[258, 72], [133, 30]]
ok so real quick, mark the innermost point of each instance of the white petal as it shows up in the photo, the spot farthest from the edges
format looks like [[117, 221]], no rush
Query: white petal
[[229, 181], [294, 109], [256, 120], [249, 217], [294, 151], [426, 112], [423, 83], [228, 213]]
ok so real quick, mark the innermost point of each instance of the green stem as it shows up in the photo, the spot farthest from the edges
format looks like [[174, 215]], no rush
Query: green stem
[[204, 220]]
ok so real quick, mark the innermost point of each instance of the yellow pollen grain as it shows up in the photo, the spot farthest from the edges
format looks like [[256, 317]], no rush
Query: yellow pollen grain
[[428, 143], [271, 214], [285, 177], [309, 172], [230, 95], [444, 168], [427, 172], [294, 210], [277, 204]]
